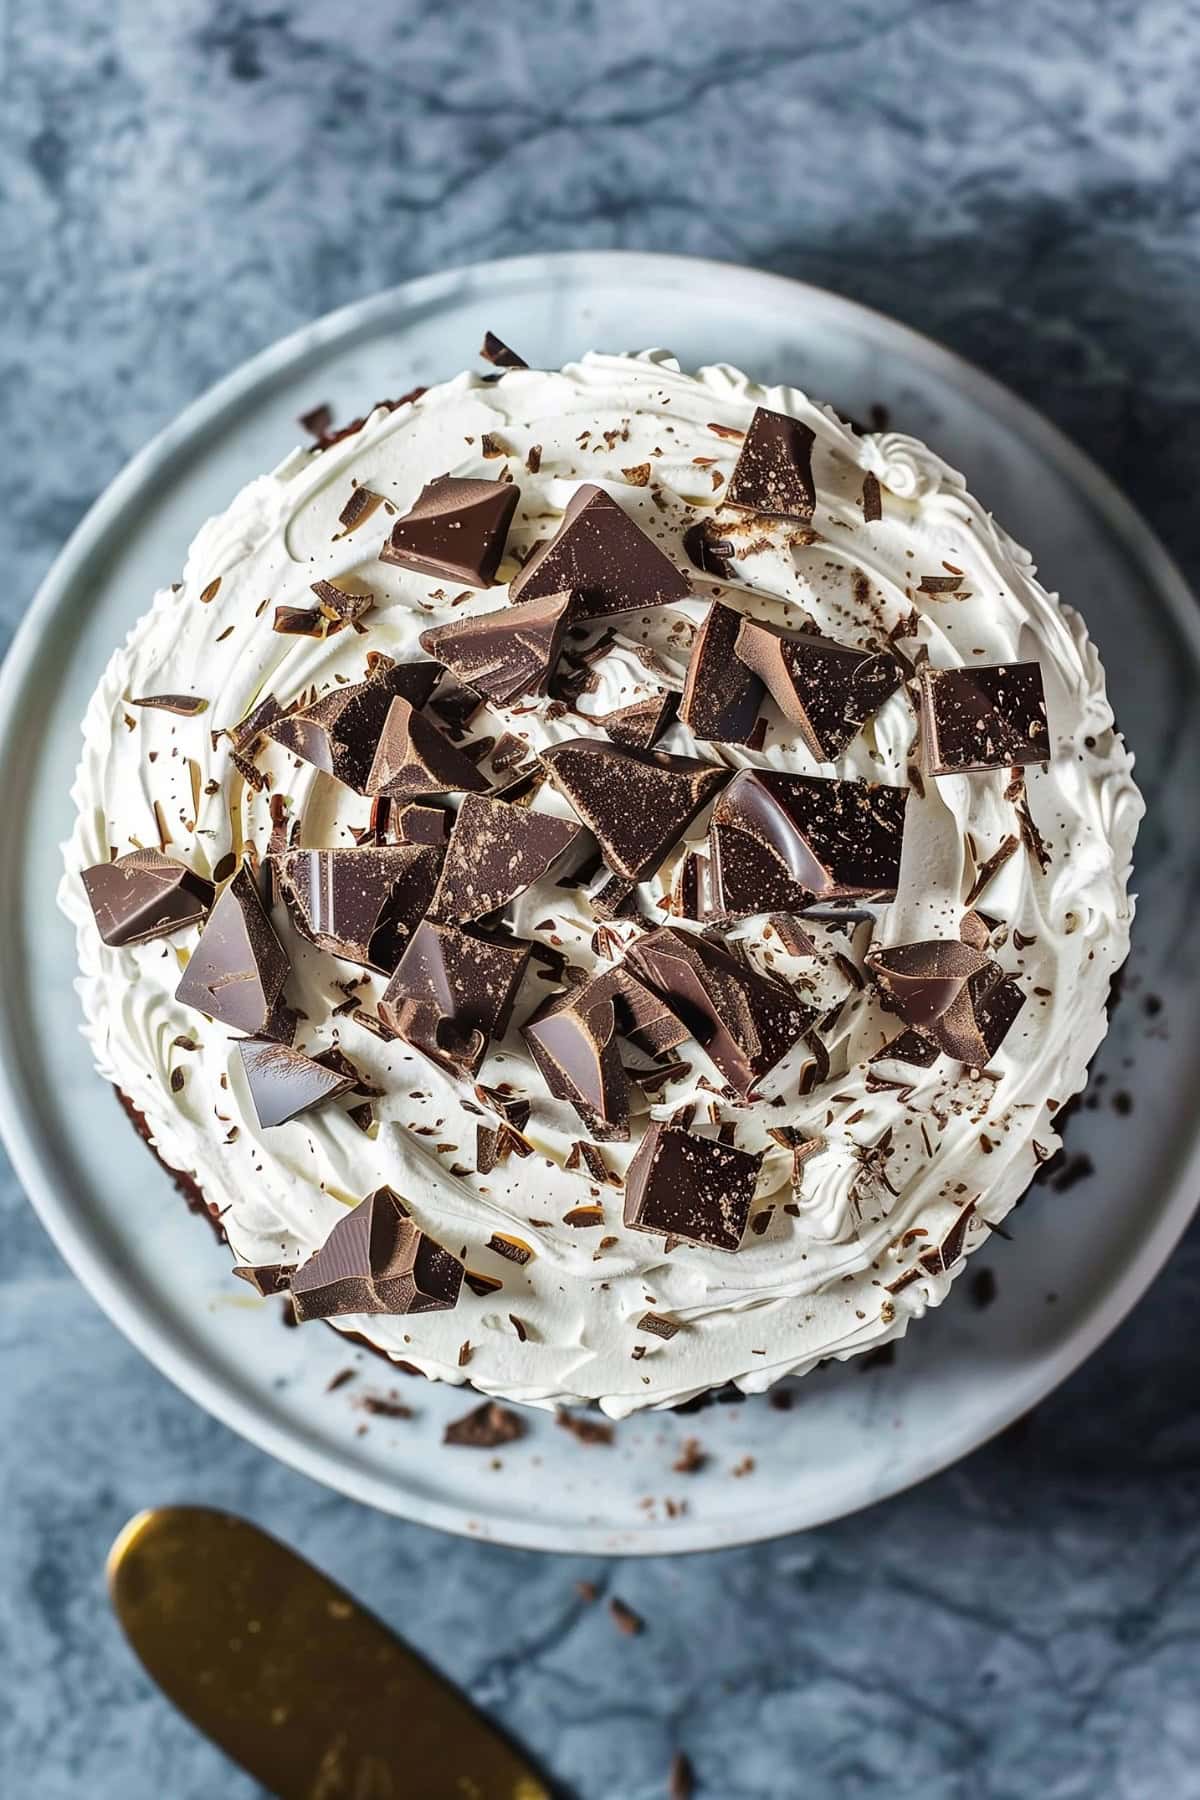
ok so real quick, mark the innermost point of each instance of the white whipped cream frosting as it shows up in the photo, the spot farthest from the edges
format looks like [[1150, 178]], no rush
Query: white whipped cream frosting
[[809, 1282]]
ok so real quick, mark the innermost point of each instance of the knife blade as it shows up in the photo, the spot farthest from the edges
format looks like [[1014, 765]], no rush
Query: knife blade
[[295, 1681]]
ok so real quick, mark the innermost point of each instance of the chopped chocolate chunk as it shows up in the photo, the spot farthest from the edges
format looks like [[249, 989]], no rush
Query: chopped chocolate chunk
[[573, 1040], [585, 1429], [377, 1260], [692, 895], [773, 473], [920, 981], [512, 1249], [974, 930], [690, 1188], [1007, 847], [494, 350], [360, 904], [267, 1279], [625, 1618], [341, 604], [744, 1020], [640, 725], [486, 1427], [514, 1109], [187, 705], [284, 1082], [339, 732], [506, 653], [826, 690], [414, 823], [909, 1047], [708, 551], [781, 842], [300, 621], [317, 421], [361, 505], [655, 1325], [973, 1028], [237, 970], [496, 851], [983, 718], [413, 757], [723, 695], [605, 558], [638, 803], [451, 992], [456, 529], [144, 895]]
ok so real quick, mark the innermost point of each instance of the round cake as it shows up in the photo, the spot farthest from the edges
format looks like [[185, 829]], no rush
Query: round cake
[[603, 879]]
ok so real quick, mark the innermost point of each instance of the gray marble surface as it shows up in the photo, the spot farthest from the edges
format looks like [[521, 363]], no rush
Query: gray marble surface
[[180, 183]]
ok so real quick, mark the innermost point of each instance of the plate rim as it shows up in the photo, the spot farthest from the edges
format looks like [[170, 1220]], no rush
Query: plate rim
[[153, 1337]]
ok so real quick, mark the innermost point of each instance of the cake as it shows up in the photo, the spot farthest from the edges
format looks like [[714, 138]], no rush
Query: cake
[[603, 879]]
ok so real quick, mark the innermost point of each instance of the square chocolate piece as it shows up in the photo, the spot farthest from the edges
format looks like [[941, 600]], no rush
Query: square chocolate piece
[[692, 1188], [984, 718]]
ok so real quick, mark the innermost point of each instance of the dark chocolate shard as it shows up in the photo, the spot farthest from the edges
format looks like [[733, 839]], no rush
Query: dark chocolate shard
[[144, 895], [339, 732], [495, 351], [413, 757], [638, 803], [920, 981], [452, 992], [573, 1041], [639, 725], [188, 706], [690, 1188], [341, 604], [707, 550], [456, 530], [237, 970], [977, 719], [826, 690], [496, 851], [723, 695], [284, 1082], [781, 842], [360, 904], [975, 1024], [604, 557], [507, 653], [376, 1260], [909, 1047], [745, 1021], [413, 823], [692, 894], [266, 1279], [773, 472]]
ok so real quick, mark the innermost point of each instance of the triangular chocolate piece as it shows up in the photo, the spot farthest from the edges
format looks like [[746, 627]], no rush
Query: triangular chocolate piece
[[638, 803], [456, 530], [507, 653], [604, 557], [693, 1189], [377, 1260], [781, 842], [773, 472], [414, 757], [360, 904], [722, 698], [744, 1020], [639, 725], [496, 851], [573, 1041], [497, 352], [826, 690], [284, 1082], [144, 895], [451, 992], [339, 732], [237, 970]]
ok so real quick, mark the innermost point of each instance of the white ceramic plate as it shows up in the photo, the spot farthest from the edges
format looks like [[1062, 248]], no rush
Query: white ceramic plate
[[1080, 1258]]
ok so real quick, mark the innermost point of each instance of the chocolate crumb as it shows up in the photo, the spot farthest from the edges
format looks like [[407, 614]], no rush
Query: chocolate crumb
[[625, 1619]]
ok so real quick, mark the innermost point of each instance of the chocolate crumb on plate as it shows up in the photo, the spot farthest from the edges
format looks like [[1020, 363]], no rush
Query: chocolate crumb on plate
[[485, 1427]]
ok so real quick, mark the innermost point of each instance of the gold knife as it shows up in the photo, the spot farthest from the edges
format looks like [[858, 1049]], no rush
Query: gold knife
[[290, 1676]]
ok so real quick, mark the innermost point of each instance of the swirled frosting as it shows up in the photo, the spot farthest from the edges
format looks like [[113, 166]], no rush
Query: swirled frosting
[[830, 1265]]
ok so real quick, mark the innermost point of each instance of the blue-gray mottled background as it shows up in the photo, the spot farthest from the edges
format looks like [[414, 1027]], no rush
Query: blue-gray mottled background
[[181, 182]]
